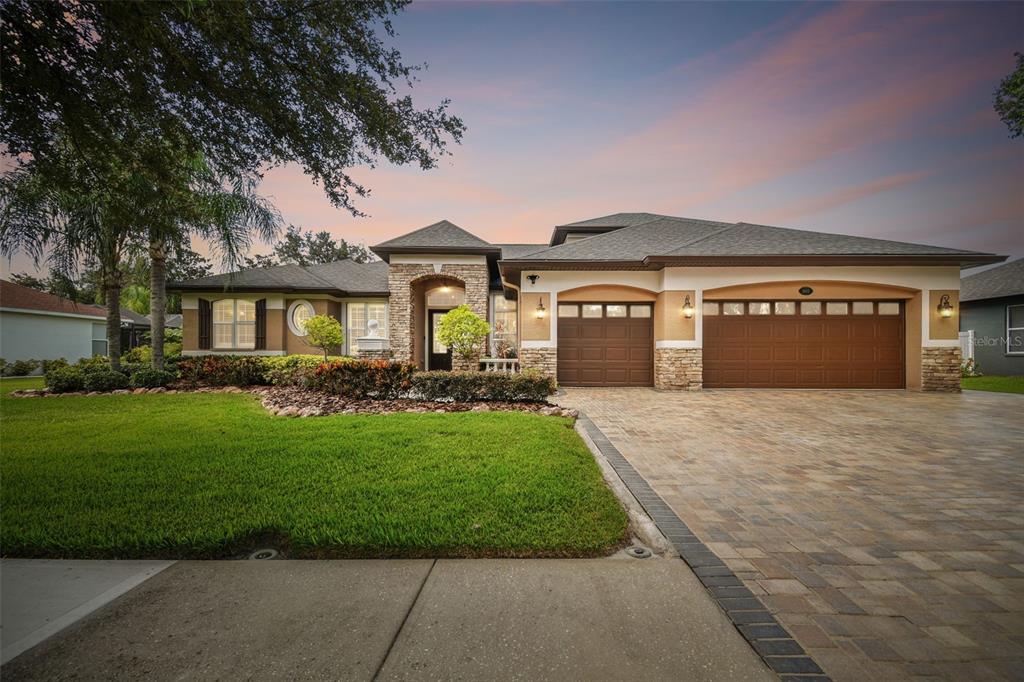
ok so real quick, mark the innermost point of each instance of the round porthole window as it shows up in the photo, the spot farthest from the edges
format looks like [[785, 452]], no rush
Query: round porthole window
[[299, 313]]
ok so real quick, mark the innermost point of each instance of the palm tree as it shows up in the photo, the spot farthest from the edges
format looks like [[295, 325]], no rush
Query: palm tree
[[226, 214]]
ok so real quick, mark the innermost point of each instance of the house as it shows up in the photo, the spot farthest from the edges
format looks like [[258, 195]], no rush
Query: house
[[630, 299], [992, 312], [35, 325], [134, 329]]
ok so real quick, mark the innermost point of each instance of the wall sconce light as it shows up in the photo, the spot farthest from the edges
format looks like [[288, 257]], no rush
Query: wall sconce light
[[687, 308], [945, 307], [445, 289], [533, 278], [540, 310]]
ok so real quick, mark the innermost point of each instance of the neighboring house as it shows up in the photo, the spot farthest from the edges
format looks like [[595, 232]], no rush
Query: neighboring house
[[35, 325], [134, 329], [992, 308], [631, 299]]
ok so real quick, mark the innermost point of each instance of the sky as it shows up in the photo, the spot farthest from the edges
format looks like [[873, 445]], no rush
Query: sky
[[866, 118]]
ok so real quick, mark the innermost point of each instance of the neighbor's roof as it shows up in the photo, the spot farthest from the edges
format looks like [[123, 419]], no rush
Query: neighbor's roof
[[1005, 280], [344, 277], [442, 236], [170, 321], [24, 298], [667, 238], [129, 315]]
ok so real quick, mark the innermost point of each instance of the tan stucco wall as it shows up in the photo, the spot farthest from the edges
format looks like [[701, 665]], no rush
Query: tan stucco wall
[[530, 328], [600, 293], [275, 329], [297, 344], [669, 322], [822, 290], [943, 328], [912, 354], [190, 329]]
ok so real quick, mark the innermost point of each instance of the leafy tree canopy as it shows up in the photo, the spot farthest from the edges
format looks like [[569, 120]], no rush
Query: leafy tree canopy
[[239, 84], [463, 331], [298, 247], [324, 332], [1009, 99]]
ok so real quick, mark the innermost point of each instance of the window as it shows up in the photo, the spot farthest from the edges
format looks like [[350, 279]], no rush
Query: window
[[837, 308], [888, 308], [863, 308], [234, 324], [785, 307], [1015, 329], [639, 311], [566, 310], [810, 307], [732, 308], [99, 339], [359, 314], [591, 310], [298, 314], [710, 308], [760, 308], [446, 296], [615, 310], [504, 326]]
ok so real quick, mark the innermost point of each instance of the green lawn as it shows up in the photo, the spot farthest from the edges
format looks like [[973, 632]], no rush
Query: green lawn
[[212, 475], [18, 384], [997, 384]]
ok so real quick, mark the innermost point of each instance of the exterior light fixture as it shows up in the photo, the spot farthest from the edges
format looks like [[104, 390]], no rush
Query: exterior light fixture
[[533, 278], [945, 308], [445, 289], [540, 310], [687, 307]]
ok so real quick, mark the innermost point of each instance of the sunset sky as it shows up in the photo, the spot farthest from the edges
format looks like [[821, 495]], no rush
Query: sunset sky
[[867, 119]]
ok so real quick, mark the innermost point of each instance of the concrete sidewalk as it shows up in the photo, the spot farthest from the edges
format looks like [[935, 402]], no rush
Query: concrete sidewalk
[[612, 618]]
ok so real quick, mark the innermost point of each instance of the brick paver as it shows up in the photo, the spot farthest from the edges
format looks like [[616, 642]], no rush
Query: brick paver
[[884, 529]]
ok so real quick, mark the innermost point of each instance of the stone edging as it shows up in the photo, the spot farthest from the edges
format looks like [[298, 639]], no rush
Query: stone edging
[[746, 611]]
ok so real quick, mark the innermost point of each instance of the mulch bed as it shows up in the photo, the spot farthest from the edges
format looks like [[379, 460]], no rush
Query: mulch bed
[[299, 402]]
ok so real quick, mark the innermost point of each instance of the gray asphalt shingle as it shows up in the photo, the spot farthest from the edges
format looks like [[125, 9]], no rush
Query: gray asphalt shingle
[[442, 234], [344, 275], [1004, 280]]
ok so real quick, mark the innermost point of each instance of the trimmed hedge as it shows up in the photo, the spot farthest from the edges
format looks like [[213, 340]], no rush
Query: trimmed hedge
[[65, 379], [528, 386], [104, 380], [223, 370], [151, 378], [381, 379]]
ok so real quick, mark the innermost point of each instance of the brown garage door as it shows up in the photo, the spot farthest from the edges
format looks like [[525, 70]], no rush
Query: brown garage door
[[605, 344], [805, 344]]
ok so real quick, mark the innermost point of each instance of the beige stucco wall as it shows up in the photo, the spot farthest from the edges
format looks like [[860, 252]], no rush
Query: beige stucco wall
[[600, 293], [296, 344], [531, 328], [669, 322], [189, 329], [939, 327]]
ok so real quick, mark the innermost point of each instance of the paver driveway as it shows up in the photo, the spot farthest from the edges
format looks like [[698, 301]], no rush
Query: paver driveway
[[884, 529]]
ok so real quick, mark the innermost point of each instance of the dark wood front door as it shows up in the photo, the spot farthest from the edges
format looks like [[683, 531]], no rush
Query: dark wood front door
[[804, 344], [605, 344], [439, 355]]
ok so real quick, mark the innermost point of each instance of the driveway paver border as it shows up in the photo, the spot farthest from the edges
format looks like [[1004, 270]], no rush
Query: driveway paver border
[[745, 610]]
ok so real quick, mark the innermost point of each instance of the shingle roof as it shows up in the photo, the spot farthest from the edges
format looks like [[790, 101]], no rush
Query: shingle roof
[[1004, 280], [669, 236], [345, 276], [440, 235], [615, 220], [129, 315], [519, 250], [24, 298]]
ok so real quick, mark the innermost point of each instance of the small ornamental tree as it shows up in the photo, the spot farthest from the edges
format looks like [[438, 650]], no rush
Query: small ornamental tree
[[324, 332], [463, 331]]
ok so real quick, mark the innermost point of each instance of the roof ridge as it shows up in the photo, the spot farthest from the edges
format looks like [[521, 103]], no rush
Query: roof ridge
[[857, 236], [728, 227], [439, 223]]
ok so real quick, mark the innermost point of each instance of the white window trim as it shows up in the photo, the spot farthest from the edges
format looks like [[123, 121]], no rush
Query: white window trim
[[1010, 329], [234, 325], [493, 317], [291, 312], [350, 338]]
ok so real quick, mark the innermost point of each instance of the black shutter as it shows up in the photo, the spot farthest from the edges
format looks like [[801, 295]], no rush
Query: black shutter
[[261, 324], [205, 324]]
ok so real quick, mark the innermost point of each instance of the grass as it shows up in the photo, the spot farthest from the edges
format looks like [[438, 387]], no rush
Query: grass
[[997, 384], [19, 383], [212, 475]]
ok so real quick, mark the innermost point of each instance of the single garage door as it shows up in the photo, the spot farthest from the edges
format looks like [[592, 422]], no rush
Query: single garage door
[[804, 344], [605, 344]]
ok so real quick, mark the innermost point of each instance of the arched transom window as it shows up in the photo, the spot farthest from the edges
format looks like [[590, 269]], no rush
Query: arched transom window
[[234, 324], [445, 296]]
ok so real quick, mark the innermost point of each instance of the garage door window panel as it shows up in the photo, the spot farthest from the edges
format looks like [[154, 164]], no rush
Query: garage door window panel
[[732, 308], [810, 307], [592, 311]]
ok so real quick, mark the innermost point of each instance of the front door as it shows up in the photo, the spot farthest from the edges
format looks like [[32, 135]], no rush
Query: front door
[[440, 356]]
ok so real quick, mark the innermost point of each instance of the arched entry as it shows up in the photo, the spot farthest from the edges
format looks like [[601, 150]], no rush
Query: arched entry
[[433, 296]]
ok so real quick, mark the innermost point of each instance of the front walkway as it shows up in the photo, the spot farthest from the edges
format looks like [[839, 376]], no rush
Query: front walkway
[[540, 619], [884, 529]]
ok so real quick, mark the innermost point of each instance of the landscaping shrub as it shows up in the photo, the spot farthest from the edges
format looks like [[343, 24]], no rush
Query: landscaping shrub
[[528, 386], [151, 378], [96, 363], [65, 379], [293, 370], [223, 370], [381, 379], [144, 354], [105, 380], [20, 368], [50, 365], [3, 367]]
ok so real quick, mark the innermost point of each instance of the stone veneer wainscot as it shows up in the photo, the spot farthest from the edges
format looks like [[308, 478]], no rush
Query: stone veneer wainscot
[[940, 370], [544, 360], [678, 368]]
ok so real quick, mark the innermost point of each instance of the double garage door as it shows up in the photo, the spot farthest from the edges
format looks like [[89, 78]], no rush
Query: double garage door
[[747, 344], [803, 344]]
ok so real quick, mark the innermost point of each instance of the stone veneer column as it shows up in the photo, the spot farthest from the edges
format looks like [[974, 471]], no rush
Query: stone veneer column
[[400, 303], [940, 370], [544, 360], [678, 369]]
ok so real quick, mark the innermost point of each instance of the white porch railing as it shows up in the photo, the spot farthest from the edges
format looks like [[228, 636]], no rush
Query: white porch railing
[[509, 365], [967, 345]]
